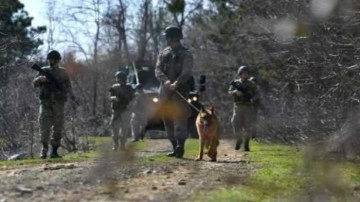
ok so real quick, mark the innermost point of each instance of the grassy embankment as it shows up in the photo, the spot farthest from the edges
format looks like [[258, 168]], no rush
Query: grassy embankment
[[283, 173]]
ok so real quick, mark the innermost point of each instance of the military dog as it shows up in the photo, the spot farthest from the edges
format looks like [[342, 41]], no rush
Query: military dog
[[207, 126]]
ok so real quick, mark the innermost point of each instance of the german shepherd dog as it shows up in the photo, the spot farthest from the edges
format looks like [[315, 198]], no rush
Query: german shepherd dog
[[207, 126]]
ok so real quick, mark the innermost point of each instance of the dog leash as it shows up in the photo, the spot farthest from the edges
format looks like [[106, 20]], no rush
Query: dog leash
[[198, 110]]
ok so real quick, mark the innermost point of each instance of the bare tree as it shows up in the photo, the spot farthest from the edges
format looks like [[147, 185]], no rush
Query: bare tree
[[51, 14], [298, 51], [116, 19], [84, 19], [143, 31], [178, 9], [159, 20]]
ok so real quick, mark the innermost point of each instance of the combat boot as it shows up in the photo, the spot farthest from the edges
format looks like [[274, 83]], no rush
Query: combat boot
[[180, 148], [116, 144], [54, 153], [238, 144], [246, 145], [122, 145], [44, 151], [173, 153], [179, 152]]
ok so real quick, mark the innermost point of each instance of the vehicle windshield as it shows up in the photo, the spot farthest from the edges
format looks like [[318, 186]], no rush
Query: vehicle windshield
[[144, 76]]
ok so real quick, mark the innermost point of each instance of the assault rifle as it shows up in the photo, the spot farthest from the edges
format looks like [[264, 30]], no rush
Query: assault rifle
[[239, 87], [54, 83]]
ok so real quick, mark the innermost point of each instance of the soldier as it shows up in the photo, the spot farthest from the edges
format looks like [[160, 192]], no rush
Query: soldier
[[173, 70], [257, 105], [245, 96], [256, 109], [139, 116], [120, 95], [52, 102]]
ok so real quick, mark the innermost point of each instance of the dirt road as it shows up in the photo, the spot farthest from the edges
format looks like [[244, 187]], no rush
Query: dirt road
[[123, 177]]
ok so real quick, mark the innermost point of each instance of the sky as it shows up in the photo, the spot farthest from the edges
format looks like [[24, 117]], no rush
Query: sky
[[38, 10], [35, 10]]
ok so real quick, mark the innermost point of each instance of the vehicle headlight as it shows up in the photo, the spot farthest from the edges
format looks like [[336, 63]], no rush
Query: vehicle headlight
[[189, 100], [155, 99], [194, 99]]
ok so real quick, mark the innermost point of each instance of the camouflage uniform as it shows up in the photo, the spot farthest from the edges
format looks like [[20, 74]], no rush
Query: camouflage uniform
[[52, 102], [137, 124], [258, 105], [175, 64], [256, 110], [243, 113], [120, 115], [139, 117]]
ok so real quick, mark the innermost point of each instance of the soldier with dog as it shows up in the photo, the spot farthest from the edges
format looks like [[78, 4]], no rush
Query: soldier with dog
[[173, 70], [245, 96]]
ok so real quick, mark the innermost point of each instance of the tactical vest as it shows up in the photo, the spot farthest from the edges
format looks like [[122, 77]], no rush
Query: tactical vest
[[48, 92], [172, 65], [248, 87], [124, 93]]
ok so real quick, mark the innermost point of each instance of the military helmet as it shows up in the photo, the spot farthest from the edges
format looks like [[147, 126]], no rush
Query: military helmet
[[54, 55], [120, 75], [243, 69], [173, 32]]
